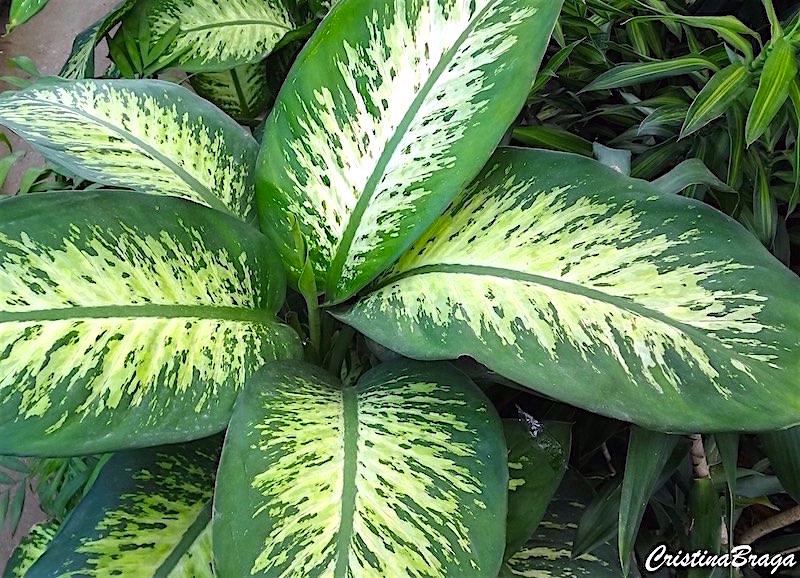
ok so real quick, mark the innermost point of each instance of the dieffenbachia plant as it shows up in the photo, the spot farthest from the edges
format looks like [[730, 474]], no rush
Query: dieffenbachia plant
[[150, 308]]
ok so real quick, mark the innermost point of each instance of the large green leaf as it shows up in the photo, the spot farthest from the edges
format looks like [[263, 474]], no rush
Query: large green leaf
[[598, 290], [214, 35], [242, 92], [30, 549], [389, 111], [151, 136], [402, 475], [537, 460], [148, 514], [128, 320], [80, 63], [549, 552]]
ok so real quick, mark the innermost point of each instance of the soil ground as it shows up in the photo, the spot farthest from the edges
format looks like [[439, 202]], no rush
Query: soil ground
[[47, 39]]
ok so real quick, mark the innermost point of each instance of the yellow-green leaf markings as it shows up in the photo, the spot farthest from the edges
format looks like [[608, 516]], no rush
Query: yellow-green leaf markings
[[389, 111], [403, 474], [717, 96], [537, 459], [780, 70], [80, 63], [241, 92], [128, 320], [548, 553], [30, 549], [214, 35], [147, 515], [600, 291], [151, 136]]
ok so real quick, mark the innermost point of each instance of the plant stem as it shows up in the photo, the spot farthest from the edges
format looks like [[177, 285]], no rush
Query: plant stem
[[339, 350], [314, 327], [771, 524], [701, 470]]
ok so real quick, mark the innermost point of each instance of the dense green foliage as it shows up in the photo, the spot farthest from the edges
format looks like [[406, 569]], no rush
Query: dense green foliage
[[490, 288]]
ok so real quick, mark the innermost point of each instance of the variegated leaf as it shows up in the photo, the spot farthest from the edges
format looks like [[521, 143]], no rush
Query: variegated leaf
[[147, 515], [594, 288], [403, 474], [242, 92], [30, 549], [151, 136], [128, 320], [214, 35], [548, 554], [537, 460], [389, 111], [80, 63]]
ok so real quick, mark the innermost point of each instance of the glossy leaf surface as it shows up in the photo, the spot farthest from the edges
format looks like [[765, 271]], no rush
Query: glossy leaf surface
[[128, 320], [537, 461], [597, 290], [404, 474], [389, 111], [147, 515], [213, 35], [151, 136]]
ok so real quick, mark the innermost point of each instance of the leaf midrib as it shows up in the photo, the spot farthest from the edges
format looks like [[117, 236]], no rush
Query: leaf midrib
[[212, 200], [342, 251], [558, 285], [190, 536], [350, 470], [225, 23], [146, 310]]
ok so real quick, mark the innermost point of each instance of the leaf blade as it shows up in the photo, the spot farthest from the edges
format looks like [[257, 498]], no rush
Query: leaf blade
[[362, 184], [780, 70], [469, 272], [367, 484], [152, 136], [122, 325]]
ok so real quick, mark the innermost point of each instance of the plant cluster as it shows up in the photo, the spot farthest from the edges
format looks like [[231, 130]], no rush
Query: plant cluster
[[285, 302]]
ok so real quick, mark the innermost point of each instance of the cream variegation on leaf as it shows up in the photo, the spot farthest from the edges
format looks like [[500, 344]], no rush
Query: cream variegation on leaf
[[128, 320], [403, 474], [390, 110], [151, 136], [596, 289]]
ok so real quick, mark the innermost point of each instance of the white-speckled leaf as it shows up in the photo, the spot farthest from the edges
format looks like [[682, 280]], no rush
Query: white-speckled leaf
[[128, 320], [241, 92], [80, 63], [402, 475], [151, 136], [215, 35], [548, 554], [147, 515], [389, 111], [594, 288], [30, 549]]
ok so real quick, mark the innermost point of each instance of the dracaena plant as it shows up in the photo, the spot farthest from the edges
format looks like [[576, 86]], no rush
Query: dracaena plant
[[150, 308]]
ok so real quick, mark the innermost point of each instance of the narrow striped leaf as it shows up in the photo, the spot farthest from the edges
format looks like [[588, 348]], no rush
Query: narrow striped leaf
[[765, 207], [214, 36], [30, 549], [689, 172], [147, 515], [724, 88], [537, 461], [794, 95], [706, 521], [241, 92], [637, 73], [23, 10], [780, 70], [403, 474], [553, 138], [389, 111], [783, 450], [80, 63], [599, 291], [549, 551], [151, 136], [648, 453], [128, 320], [735, 120]]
